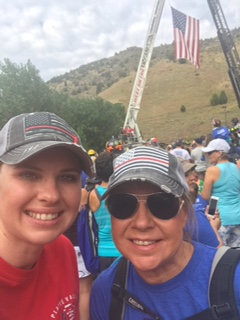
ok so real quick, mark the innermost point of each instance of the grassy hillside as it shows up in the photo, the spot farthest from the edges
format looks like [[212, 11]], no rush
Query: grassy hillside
[[169, 85]]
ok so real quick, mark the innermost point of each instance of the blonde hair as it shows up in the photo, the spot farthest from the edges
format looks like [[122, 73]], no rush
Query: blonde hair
[[192, 219]]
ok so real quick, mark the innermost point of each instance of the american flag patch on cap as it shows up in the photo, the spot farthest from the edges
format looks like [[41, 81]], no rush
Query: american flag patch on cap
[[149, 165], [40, 123], [142, 157]]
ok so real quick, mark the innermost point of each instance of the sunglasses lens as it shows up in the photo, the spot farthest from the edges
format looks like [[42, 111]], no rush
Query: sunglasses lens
[[163, 206], [122, 206]]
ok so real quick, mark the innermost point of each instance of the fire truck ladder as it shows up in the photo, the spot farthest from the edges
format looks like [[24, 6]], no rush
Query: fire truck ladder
[[136, 96], [228, 46]]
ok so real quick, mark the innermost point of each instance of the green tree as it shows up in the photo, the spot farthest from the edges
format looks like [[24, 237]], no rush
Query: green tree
[[170, 55], [96, 120], [214, 100], [22, 90], [223, 97], [99, 87]]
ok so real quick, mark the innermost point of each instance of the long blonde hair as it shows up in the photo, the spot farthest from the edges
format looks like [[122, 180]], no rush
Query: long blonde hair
[[191, 226]]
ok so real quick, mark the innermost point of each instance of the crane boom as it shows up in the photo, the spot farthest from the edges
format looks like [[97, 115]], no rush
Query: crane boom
[[136, 96], [228, 45]]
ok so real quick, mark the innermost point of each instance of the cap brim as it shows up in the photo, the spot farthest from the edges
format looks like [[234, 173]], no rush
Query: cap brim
[[207, 149], [160, 180], [19, 154], [188, 166]]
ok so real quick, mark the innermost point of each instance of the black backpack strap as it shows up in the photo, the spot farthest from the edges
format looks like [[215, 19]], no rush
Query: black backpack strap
[[98, 194], [221, 292], [121, 297], [117, 307], [221, 287], [214, 313]]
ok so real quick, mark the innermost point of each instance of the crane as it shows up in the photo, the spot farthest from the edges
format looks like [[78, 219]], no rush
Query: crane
[[140, 79], [228, 45]]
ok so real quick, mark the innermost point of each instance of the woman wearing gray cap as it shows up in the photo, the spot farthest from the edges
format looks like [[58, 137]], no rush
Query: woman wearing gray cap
[[41, 159], [167, 273]]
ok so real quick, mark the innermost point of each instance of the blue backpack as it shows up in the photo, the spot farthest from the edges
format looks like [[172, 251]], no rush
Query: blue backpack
[[88, 238]]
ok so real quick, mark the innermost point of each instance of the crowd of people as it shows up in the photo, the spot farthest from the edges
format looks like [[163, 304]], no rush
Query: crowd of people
[[151, 204]]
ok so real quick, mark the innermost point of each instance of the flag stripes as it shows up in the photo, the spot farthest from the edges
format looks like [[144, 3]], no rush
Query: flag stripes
[[186, 37]]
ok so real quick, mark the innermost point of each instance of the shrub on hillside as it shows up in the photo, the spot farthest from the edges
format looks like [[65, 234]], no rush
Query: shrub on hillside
[[223, 98], [182, 61], [183, 108], [219, 99], [214, 100]]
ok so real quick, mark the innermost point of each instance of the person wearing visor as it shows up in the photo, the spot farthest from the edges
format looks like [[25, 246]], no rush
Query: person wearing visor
[[167, 272], [41, 160]]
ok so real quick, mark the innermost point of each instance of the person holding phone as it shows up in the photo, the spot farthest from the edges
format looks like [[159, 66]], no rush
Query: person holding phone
[[213, 205], [222, 180]]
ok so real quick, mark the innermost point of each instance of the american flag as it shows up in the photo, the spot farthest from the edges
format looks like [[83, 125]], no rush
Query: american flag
[[48, 124], [143, 158], [186, 36]]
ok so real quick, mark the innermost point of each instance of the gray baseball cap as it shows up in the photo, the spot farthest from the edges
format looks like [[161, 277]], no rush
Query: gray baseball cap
[[153, 165], [30, 133]]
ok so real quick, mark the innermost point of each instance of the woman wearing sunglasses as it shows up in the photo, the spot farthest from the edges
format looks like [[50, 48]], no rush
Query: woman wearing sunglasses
[[222, 179], [147, 198]]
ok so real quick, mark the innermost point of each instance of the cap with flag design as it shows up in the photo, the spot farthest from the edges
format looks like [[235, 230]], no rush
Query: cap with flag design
[[149, 164], [30, 133]]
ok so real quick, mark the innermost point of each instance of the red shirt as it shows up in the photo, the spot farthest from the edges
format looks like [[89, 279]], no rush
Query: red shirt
[[49, 291]]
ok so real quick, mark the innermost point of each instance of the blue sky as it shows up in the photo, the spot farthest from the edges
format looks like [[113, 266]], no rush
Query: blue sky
[[60, 35]]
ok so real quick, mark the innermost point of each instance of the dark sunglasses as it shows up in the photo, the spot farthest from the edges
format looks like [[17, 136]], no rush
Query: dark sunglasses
[[163, 206]]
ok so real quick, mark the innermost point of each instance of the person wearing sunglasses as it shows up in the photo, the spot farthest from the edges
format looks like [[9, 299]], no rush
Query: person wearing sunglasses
[[222, 180], [147, 198]]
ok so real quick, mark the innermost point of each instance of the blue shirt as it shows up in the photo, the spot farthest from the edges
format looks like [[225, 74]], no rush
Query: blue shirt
[[200, 204], [181, 297], [222, 133], [204, 232]]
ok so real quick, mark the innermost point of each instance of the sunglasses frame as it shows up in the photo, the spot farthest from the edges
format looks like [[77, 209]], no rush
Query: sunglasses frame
[[137, 196]]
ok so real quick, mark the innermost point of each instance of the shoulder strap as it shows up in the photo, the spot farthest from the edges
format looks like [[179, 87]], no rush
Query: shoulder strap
[[221, 289], [88, 196], [219, 253], [223, 304], [222, 300], [121, 297], [98, 194], [117, 307]]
